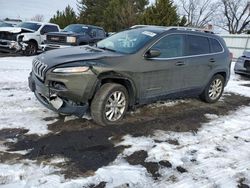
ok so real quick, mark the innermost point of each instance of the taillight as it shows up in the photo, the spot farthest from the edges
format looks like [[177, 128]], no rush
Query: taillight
[[231, 56]]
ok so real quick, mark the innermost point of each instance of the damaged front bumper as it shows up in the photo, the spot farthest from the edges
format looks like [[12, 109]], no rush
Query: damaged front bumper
[[12, 46], [52, 101]]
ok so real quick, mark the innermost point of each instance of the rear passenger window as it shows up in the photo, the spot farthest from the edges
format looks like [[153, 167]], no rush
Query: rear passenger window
[[170, 46], [93, 32], [215, 46], [100, 33], [197, 45]]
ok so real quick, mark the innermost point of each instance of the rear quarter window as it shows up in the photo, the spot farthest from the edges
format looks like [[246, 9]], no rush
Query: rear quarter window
[[215, 46], [197, 45]]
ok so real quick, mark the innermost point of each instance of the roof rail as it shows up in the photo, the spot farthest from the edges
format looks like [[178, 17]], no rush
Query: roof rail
[[141, 26], [190, 29]]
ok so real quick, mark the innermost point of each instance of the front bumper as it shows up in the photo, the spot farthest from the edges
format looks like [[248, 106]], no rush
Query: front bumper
[[11, 46], [46, 96], [240, 68]]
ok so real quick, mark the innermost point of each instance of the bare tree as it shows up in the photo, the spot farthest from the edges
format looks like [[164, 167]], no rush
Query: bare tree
[[236, 16], [199, 13], [38, 18], [127, 15]]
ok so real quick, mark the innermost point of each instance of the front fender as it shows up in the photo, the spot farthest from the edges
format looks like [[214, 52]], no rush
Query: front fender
[[120, 78]]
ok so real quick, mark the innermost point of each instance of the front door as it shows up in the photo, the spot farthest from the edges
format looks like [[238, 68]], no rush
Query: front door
[[163, 75]]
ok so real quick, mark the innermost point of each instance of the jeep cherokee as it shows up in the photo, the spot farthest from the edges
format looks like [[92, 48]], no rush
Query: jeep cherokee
[[133, 67]]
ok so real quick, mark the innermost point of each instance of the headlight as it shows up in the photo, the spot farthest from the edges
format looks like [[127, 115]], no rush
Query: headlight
[[71, 70], [71, 39]]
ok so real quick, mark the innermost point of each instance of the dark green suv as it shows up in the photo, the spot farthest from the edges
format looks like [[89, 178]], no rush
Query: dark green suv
[[133, 67]]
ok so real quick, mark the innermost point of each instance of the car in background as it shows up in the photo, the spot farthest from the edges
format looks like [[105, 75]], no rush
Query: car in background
[[74, 35], [4, 24], [242, 65], [26, 37]]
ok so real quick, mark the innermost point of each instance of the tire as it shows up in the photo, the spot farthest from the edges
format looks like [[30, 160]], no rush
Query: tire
[[31, 49], [104, 109], [214, 89]]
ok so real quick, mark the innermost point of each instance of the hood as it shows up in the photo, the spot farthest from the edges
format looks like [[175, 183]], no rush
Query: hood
[[15, 29], [74, 54]]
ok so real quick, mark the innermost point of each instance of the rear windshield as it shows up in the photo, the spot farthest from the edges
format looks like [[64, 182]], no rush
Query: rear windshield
[[28, 25]]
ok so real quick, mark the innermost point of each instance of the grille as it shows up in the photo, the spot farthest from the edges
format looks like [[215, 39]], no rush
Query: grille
[[8, 36], [39, 69], [56, 39]]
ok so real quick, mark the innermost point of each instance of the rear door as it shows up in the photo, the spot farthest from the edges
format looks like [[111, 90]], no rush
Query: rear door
[[100, 34], [198, 60]]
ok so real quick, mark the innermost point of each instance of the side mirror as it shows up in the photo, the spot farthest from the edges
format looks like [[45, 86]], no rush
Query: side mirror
[[152, 53]]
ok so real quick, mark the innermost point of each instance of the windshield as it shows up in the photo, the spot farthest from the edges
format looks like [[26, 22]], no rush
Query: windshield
[[3, 24], [128, 41], [29, 25], [76, 29]]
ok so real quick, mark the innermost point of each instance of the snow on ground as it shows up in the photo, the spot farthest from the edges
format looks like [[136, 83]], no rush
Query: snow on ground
[[216, 156], [18, 107]]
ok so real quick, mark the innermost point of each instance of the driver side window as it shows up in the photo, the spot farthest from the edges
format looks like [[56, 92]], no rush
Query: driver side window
[[170, 46]]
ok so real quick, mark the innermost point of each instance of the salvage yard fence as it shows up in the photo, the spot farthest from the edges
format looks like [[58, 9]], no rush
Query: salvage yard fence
[[237, 44]]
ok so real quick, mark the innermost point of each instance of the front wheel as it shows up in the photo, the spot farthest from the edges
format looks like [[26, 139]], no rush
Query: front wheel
[[31, 49], [110, 104], [214, 89]]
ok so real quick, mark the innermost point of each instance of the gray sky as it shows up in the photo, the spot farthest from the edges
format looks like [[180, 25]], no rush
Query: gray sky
[[26, 9]]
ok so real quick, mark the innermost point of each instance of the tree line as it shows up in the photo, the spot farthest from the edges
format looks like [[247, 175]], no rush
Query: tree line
[[115, 15]]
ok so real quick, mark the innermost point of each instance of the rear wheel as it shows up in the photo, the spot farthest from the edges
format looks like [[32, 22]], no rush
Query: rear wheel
[[110, 104], [31, 49], [214, 89]]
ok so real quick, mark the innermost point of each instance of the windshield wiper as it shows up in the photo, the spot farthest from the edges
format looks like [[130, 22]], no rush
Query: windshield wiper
[[108, 49]]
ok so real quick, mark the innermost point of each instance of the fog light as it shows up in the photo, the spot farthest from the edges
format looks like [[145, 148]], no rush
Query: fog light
[[58, 85]]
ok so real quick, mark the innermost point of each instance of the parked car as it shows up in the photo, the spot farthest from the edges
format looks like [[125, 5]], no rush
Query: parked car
[[74, 35], [26, 37], [242, 65], [4, 24], [130, 68]]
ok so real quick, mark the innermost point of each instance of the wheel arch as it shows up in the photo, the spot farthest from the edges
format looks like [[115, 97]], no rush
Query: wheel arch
[[34, 41], [113, 77], [222, 73]]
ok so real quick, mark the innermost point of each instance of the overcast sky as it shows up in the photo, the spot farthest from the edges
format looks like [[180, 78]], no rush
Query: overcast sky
[[26, 9]]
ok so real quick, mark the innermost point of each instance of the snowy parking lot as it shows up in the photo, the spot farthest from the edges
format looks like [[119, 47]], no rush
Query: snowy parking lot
[[182, 143]]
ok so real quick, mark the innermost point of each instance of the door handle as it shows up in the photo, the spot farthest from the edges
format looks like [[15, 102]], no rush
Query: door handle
[[180, 63]]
